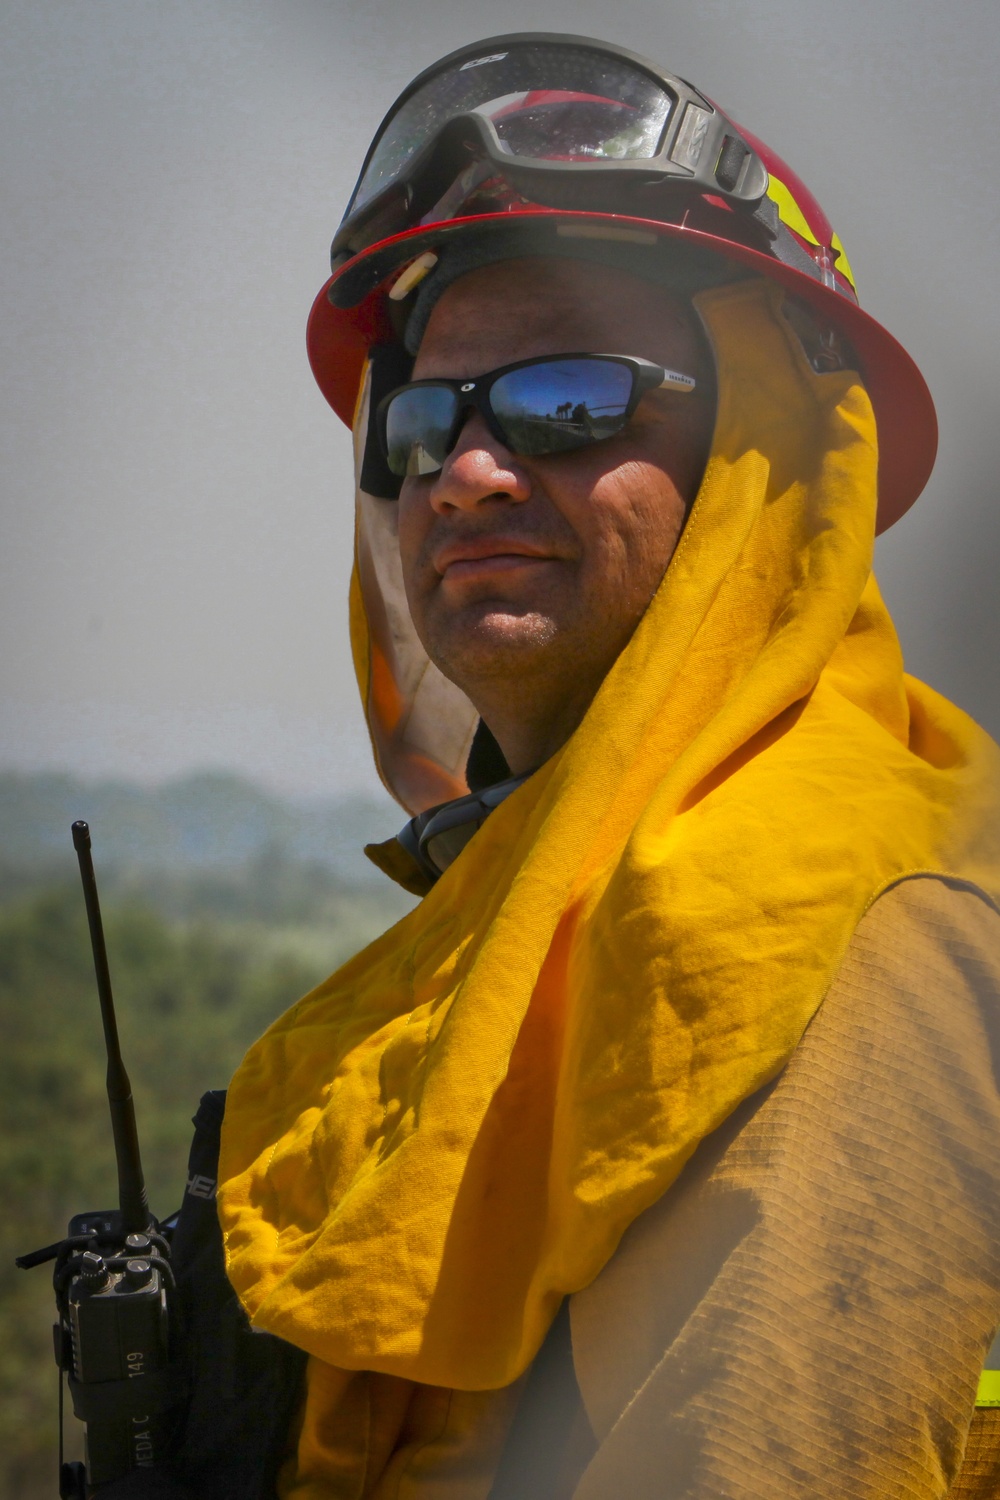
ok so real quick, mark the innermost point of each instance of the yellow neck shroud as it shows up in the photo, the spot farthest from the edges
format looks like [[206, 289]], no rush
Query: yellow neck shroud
[[429, 1151]]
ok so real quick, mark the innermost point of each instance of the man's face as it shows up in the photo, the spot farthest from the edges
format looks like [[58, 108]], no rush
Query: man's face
[[526, 576]]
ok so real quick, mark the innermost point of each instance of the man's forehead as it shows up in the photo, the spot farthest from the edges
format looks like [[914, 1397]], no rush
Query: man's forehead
[[546, 304]]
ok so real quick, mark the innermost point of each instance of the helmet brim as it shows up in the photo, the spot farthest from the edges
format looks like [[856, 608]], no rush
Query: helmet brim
[[338, 338]]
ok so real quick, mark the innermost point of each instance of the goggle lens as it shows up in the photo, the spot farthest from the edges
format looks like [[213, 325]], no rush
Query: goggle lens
[[556, 125], [546, 102], [552, 406]]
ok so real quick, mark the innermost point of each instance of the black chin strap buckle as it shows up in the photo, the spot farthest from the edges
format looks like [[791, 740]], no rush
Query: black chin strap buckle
[[436, 838]]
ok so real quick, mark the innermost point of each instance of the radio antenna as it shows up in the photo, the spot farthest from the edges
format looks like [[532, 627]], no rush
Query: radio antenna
[[131, 1186]]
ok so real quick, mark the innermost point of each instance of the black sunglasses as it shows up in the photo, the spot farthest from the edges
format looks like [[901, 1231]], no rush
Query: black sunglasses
[[552, 404]]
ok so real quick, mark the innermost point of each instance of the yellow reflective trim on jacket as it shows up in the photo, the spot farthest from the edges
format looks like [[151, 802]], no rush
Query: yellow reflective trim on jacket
[[843, 264], [789, 211], [989, 1388]]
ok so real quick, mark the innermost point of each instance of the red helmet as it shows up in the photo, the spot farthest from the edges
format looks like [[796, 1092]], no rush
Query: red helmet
[[550, 141]]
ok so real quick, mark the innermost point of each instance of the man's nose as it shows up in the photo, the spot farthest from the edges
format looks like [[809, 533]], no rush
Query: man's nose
[[478, 468]]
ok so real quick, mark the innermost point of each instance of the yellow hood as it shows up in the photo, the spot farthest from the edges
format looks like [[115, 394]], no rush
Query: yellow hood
[[429, 1151]]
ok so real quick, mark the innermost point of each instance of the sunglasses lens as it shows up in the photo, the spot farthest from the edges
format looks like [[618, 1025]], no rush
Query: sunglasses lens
[[418, 423], [561, 404]]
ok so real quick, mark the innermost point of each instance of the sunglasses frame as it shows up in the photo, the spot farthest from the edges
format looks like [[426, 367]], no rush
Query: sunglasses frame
[[473, 395]]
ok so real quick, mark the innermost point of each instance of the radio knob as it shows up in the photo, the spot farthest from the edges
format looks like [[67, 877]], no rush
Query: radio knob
[[138, 1272], [93, 1271], [138, 1243]]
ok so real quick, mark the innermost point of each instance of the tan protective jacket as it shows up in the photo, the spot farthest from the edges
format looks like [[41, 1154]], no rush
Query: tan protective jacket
[[807, 1311]]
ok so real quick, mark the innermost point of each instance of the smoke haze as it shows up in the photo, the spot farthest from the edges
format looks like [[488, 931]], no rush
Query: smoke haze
[[176, 494]]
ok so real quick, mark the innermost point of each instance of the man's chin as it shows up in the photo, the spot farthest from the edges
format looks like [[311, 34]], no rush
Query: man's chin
[[491, 641]]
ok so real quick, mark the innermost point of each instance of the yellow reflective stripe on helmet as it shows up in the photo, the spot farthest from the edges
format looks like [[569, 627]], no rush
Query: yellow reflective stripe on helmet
[[843, 264], [791, 214], [788, 210], [989, 1388]]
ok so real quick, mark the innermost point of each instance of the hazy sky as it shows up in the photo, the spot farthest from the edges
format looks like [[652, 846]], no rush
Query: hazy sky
[[176, 495]]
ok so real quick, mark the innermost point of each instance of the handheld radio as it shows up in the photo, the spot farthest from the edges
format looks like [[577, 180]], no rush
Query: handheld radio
[[114, 1284]]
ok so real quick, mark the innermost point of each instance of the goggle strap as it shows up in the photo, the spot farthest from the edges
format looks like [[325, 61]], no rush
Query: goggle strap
[[782, 243]]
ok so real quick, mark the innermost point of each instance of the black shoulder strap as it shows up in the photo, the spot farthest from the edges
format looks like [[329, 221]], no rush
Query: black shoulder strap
[[245, 1386]]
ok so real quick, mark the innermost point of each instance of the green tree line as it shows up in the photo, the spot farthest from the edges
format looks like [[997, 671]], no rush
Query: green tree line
[[201, 964]]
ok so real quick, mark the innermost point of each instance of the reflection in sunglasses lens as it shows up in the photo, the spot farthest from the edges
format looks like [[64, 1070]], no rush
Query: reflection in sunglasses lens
[[559, 405], [418, 424], [552, 406]]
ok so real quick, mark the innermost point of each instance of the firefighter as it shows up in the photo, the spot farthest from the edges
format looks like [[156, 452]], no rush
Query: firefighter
[[655, 1152]]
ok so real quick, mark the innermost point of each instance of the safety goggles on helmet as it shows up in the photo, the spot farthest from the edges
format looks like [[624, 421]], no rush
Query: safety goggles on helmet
[[538, 110], [550, 404]]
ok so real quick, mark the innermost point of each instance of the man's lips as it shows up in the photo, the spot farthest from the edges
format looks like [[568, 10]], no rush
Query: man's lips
[[460, 559]]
